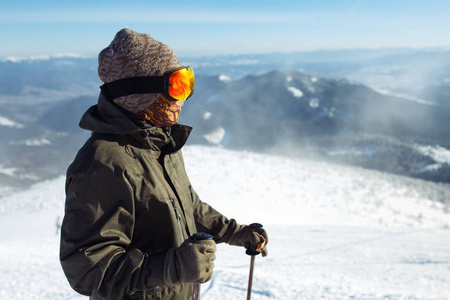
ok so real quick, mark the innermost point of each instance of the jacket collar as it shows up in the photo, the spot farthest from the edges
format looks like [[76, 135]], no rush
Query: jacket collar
[[108, 118], [168, 139]]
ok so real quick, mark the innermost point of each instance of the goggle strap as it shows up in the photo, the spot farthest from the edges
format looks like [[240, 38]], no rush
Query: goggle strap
[[133, 85]]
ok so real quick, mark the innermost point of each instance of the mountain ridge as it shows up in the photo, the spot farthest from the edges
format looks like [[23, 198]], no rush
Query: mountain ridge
[[249, 103]]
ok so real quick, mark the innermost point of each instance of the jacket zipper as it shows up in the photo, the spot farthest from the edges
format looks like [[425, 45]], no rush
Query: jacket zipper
[[177, 213]]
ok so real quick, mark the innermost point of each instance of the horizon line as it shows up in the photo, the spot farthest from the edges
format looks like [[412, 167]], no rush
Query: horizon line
[[41, 57]]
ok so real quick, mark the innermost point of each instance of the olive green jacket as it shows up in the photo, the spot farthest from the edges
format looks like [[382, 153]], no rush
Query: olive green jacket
[[129, 200]]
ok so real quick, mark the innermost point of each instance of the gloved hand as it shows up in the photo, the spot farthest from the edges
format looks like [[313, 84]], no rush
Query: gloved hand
[[244, 235], [192, 262]]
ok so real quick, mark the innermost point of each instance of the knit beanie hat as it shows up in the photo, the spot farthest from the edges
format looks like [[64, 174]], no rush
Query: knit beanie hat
[[133, 54]]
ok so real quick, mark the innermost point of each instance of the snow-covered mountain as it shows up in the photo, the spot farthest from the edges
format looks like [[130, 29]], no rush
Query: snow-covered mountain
[[309, 104], [40, 80], [335, 232], [411, 72], [282, 112]]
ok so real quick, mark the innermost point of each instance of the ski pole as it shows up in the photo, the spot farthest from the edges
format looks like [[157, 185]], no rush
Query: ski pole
[[253, 251], [199, 236]]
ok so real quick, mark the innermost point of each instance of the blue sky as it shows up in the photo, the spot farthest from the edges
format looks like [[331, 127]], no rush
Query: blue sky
[[200, 27]]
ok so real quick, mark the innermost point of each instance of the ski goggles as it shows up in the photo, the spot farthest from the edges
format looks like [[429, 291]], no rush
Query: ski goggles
[[176, 85]]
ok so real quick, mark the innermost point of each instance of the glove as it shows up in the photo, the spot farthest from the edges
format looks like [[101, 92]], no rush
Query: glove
[[244, 235], [192, 262]]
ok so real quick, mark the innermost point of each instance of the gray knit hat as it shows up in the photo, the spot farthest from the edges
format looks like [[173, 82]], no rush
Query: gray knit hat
[[133, 54]]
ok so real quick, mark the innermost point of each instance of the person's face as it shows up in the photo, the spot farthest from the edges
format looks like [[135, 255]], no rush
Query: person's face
[[162, 113]]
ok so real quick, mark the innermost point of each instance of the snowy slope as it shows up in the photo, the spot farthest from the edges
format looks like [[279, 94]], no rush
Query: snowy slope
[[335, 232]]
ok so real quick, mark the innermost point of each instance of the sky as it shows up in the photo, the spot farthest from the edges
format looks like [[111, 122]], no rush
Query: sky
[[205, 27]]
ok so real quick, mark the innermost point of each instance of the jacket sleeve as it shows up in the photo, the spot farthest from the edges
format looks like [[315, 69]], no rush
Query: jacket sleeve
[[211, 221], [96, 231], [206, 218]]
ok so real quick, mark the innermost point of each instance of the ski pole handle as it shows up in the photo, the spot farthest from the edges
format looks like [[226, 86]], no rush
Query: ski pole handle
[[199, 236], [255, 249]]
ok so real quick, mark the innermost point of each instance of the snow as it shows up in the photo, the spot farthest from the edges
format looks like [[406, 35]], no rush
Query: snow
[[225, 78], [7, 171], [438, 153], [207, 115], [215, 137], [387, 92], [9, 123], [295, 92], [335, 232], [314, 102]]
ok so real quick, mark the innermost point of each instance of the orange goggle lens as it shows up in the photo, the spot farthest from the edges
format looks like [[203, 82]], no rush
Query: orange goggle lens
[[181, 84]]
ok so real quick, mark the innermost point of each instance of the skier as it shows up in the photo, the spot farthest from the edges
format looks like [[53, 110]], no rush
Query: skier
[[130, 208]]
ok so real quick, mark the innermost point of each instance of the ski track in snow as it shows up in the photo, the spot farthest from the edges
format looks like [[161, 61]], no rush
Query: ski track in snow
[[335, 232]]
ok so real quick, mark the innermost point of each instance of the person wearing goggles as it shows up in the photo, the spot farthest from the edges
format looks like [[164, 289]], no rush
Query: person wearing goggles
[[175, 86], [130, 208]]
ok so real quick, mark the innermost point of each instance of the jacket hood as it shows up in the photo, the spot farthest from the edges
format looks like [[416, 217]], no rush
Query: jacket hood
[[107, 117]]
